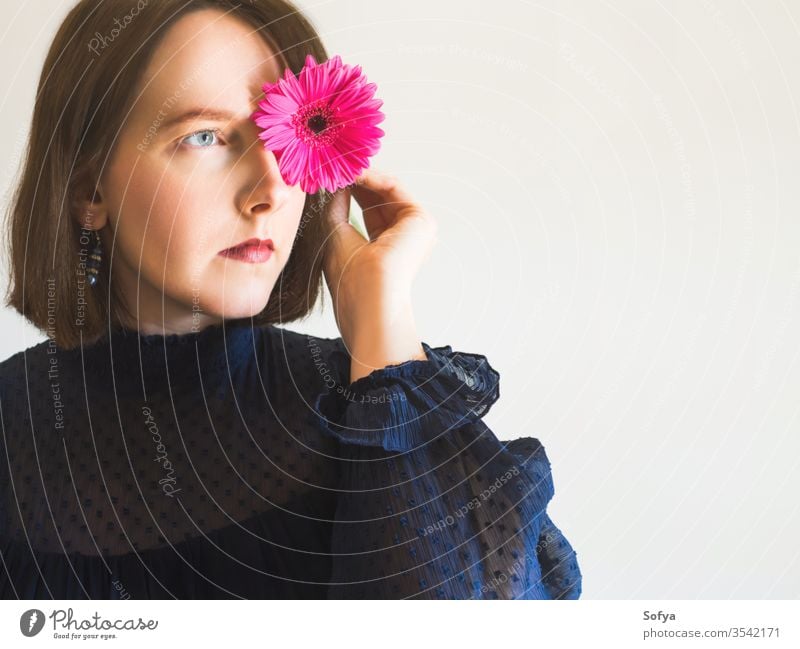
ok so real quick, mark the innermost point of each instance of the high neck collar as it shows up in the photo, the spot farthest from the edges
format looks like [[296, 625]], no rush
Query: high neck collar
[[125, 360]]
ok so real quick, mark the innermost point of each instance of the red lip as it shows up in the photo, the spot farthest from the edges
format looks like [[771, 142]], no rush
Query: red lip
[[255, 242], [252, 251]]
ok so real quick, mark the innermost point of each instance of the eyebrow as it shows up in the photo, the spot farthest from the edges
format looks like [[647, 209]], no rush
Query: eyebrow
[[211, 114]]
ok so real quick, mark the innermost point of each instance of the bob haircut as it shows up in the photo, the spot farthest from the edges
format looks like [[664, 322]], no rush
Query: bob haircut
[[83, 96]]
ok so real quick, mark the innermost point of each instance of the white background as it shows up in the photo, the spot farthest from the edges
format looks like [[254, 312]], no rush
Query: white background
[[617, 190]]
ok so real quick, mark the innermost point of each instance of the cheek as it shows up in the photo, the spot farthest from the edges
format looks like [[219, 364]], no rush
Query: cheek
[[189, 215], [171, 227], [162, 223]]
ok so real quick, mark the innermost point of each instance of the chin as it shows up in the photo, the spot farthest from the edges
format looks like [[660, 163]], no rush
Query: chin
[[244, 306]]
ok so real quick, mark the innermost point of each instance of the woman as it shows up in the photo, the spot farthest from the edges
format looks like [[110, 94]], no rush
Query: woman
[[168, 439]]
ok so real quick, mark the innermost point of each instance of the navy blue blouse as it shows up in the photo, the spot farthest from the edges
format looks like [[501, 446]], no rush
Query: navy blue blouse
[[241, 462]]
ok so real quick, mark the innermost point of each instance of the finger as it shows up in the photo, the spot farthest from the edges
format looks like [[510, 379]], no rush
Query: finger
[[343, 236], [412, 238], [381, 217], [374, 186], [383, 200]]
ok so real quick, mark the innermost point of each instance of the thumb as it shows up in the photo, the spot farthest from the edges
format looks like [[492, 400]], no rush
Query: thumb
[[343, 240], [338, 208]]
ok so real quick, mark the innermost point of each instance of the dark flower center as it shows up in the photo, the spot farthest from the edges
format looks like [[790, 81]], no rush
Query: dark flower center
[[317, 123]]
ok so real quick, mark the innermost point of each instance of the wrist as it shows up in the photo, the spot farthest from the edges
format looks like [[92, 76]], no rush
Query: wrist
[[387, 336]]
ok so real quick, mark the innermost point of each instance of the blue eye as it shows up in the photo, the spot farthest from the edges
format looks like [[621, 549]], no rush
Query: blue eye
[[205, 141]]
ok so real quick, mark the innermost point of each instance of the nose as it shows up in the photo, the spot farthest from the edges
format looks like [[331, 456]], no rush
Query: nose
[[264, 190]]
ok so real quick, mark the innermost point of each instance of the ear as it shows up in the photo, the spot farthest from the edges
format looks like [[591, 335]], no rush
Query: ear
[[89, 208]]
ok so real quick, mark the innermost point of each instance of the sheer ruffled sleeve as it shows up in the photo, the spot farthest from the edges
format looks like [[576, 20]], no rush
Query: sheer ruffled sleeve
[[430, 503]]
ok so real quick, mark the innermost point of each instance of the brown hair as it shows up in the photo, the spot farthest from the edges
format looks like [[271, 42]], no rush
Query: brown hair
[[81, 103]]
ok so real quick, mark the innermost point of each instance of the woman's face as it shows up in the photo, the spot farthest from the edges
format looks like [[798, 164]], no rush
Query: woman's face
[[181, 187]]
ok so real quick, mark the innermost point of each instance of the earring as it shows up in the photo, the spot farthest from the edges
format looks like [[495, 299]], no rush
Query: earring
[[95, 257]]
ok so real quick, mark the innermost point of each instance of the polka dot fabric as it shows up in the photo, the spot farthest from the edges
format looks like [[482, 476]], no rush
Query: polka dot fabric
[[241, 462]]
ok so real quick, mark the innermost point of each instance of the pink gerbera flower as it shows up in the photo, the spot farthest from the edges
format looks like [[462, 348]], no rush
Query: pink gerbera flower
[[321, 126]]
